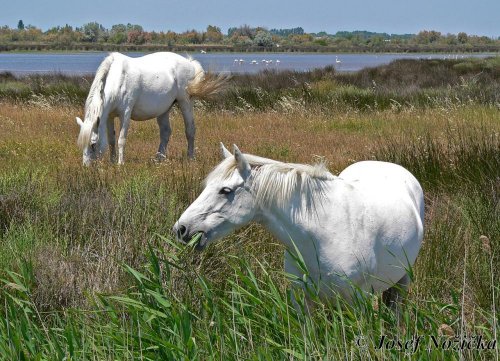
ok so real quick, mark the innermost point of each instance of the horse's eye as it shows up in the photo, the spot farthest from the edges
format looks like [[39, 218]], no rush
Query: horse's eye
[[225, 190]]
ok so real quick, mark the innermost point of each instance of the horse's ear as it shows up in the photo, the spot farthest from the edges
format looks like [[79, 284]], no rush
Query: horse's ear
[[224, 152], [79, 122], [243, 165]]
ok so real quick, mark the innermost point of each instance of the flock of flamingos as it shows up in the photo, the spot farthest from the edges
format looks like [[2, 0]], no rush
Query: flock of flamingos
[[270, 61]]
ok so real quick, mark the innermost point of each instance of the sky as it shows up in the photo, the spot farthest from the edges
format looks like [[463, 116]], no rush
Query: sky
[[476, 17]]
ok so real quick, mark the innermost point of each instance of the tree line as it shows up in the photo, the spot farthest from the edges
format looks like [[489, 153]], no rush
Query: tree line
[[95, 36]]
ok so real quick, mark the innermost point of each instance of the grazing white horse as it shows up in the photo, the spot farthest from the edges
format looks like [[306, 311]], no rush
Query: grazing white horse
[[363, 227], [141, 88]]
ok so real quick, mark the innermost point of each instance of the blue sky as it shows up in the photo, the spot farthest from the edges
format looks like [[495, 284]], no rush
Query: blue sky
[[479, 17]]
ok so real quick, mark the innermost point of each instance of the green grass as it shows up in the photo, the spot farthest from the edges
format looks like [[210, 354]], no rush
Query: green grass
[[188, 317]]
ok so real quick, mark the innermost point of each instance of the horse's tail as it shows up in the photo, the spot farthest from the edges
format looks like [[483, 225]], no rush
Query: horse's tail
[[205, 85], [95, 100]]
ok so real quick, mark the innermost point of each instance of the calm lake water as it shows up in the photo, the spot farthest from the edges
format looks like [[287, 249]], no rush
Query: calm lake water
[[87, 63]]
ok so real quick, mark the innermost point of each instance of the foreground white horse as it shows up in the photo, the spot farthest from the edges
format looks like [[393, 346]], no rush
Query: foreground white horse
[[141, 88], [364, 227]]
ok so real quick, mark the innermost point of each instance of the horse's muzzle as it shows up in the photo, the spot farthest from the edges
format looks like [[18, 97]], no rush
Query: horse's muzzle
[[184, 236], [181, 233]]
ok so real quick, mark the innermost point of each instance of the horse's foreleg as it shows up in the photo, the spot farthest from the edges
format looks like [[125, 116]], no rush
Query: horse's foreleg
[[190, 129], [165, 131], [111, 139], [103, 132], [125, 123]]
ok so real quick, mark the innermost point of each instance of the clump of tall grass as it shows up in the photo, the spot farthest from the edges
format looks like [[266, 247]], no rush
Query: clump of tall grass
[[462, 157], [460, 174], [422, 74], [251, 318], [53, 89], [75, 224]]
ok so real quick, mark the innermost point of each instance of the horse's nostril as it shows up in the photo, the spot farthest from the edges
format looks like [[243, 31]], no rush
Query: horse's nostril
[[182, 231]]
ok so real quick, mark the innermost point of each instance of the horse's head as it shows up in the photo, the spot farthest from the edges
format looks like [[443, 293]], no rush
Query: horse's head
[[87, 140], [226, 204]]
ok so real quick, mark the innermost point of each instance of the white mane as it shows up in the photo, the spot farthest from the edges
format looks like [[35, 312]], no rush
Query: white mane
[[95, 101], [276, 182]]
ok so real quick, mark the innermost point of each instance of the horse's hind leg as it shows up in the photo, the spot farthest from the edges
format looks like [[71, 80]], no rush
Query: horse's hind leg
[[190, 129], [165, 131], [393, 296]]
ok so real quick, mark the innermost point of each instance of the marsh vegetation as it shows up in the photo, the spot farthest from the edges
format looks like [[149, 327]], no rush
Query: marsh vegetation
[[90, 270]]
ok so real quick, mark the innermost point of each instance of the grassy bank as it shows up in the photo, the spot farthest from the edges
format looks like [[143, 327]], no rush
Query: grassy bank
[[90, 271]]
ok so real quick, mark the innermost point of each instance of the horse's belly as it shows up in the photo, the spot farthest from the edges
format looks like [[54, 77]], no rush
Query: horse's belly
[[148, 107], [375, 267]]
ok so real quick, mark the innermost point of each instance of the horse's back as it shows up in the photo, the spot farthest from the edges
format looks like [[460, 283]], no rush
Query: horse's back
[[386, 176], [151, 82], [373, 169], [162, 62], [154, 67]]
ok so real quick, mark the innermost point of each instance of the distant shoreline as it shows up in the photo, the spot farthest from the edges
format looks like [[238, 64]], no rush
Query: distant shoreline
[[86, 47]]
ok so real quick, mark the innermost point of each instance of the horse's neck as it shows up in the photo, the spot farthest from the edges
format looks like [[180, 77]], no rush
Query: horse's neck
[[288, 224]]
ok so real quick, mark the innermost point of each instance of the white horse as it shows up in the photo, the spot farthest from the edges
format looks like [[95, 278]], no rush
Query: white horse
[[362, 228], [141, 88]]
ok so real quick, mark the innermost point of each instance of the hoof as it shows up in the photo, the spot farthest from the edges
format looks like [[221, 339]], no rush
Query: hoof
[[160, 157]]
